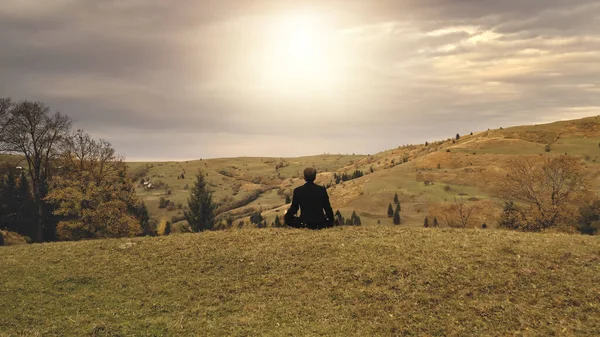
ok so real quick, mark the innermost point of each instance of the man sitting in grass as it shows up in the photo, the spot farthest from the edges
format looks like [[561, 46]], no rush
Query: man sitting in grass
[[313, 201]]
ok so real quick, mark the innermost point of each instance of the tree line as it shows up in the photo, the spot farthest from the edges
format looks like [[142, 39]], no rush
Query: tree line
[[69, 186]]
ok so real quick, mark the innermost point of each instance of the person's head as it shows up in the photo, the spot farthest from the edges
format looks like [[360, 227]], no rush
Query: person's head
[[310, 174]]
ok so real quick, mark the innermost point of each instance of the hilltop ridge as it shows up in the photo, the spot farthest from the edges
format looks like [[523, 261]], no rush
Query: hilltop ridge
[[425, 176]]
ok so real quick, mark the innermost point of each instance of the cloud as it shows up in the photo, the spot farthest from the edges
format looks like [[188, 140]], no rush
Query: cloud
[[165, 80]]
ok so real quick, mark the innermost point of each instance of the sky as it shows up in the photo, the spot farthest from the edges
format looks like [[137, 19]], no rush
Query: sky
[[182, 80]]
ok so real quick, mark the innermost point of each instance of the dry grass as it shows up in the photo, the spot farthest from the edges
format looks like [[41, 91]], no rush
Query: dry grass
[[345, 281]]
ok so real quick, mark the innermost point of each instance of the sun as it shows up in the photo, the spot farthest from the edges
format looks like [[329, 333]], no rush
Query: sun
[[299, 53]]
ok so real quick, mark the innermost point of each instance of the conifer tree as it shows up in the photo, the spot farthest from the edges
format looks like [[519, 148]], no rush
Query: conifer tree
[[200, 215], [390, 211], [396, 201], [398, 208], [277, 222], [339, 219], [397, 220], [435, 222], [426, 222]]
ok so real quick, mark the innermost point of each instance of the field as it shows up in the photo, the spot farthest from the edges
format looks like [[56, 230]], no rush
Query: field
[[359, 281], [426, 177]]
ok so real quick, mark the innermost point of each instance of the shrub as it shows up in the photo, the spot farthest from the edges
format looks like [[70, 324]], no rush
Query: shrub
[[547, 148], [163, 203], [510, 217], [589, 218], [171, 206]]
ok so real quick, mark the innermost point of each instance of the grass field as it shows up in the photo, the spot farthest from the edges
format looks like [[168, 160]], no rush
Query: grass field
[[453, 167], [359, 281]]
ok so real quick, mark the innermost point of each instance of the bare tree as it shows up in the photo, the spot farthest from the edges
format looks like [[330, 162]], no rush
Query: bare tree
[[464, 211], [35, 134], [5, 110], [550, 189]]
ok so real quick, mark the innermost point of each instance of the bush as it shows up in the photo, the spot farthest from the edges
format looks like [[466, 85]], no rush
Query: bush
[[163, 203], [171, 206], [510, 217], [589, 219]]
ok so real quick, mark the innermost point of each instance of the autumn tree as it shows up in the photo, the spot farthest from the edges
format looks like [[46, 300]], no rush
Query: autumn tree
[[546, 192], [35, 133], [201, 209], [93, 193]]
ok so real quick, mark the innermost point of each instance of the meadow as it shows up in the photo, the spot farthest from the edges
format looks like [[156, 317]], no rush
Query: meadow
[[350, 281]]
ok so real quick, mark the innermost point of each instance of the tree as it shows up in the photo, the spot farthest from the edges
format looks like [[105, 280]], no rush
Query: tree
[[390, 211], [200, 214], [426, 223], [398, 208], [256, 218], [5, 112], [396, 201], [339, 219], [457, 136], [92, 192], [547, 191], [397, 220], [589, 218], [287, 199], [464, 211], [277, 223], [36, 134], [355, 219], [435, 222]]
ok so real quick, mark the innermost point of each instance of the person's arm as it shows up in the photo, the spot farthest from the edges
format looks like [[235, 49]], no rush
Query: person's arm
[[291, 213], [328, 210]]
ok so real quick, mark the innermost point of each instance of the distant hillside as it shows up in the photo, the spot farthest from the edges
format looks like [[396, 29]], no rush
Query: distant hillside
[[426, 177], [349, 281]]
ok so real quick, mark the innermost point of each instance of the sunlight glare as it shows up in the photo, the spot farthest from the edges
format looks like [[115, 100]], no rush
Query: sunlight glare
[[299, 53]]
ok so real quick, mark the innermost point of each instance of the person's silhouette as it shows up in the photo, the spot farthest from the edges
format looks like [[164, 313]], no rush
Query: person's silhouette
[[313, 202]]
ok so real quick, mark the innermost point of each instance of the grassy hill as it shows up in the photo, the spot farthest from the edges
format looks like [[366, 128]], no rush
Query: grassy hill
[[359, 281], [464, 167]]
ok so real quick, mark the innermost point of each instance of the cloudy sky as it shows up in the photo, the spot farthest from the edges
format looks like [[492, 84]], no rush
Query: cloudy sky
[[187, 79]]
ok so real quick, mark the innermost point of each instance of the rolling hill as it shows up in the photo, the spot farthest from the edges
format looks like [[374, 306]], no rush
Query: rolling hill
[[426, 176]]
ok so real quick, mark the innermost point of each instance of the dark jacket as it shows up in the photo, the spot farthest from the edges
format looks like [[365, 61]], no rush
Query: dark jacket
[[313, 202]]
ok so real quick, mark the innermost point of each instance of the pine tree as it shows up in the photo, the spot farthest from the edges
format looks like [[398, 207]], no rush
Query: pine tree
[[457, 136], [355, 219], [200, 215], [435, 222], [339, 219], [397, 220], [398, 208], [396, 201], [426, 222], [277, 222], [390, 211], [141, 212]]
